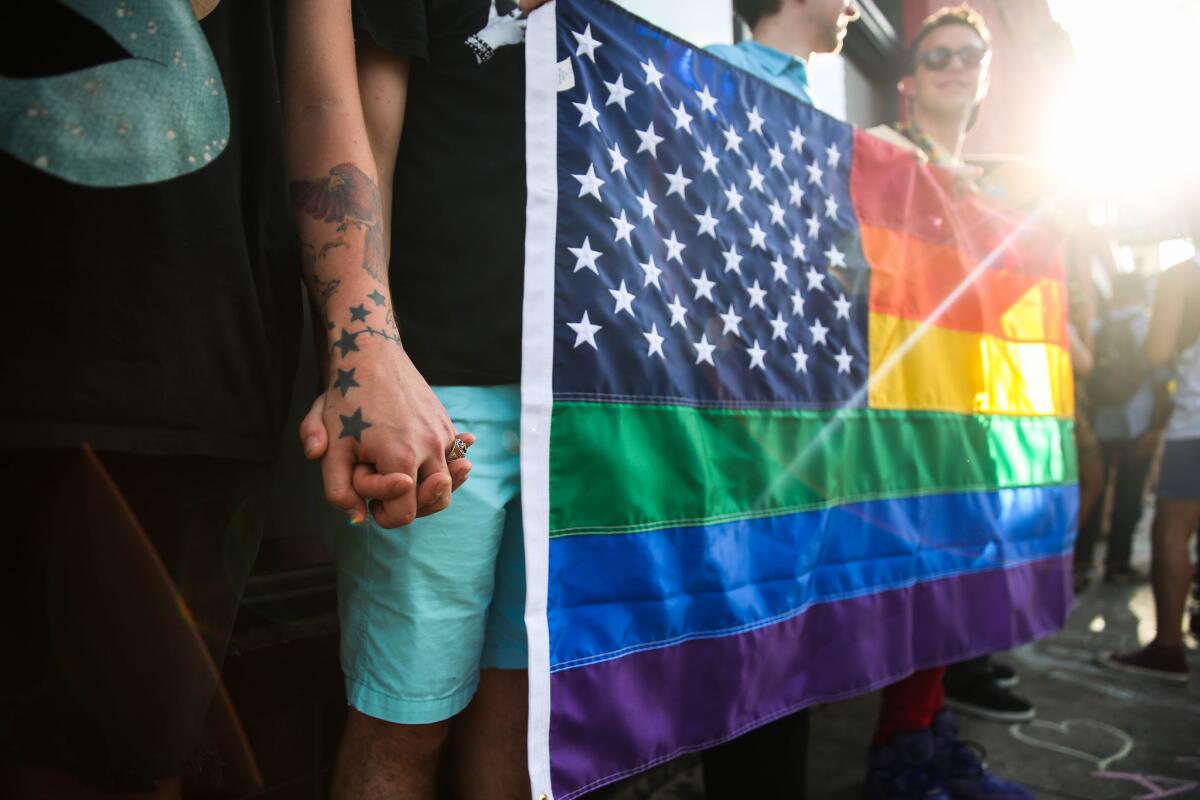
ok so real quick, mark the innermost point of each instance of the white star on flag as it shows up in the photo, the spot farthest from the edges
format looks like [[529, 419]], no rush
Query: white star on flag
[[624, 226], [655, 341], [649, 139], [843, 360], [588, 115], [814, 226], [733, 198], [814, 173], [757, 293], [797, 303], [587, 45], [589, 183], [843, 307], [801, 358], [798, 247], [704, 286], [732, 322], [831, 207], [652, 272], [585, 256], [678, 183], [779, 327], [758, 237], [776, 157], [678, 313], [674, 248], [780, 269], [617, 92], [818, 332], [653, 76], [832, 155], [733, 260], [756, 354], [816, 280], [618, 160], [777, 213], [682, 118], [708, 223], [647, 205], [585, 331], [795, 193], [707, 101], [797, 139], [755, 120], [756, 177], [704, 350], [732, 140], [710, 160], [836, 257], [624, 299]]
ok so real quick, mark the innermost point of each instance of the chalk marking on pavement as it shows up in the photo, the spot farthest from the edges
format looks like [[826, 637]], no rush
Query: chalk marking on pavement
[[1064, 728], [1151, 783], [1064, 667]]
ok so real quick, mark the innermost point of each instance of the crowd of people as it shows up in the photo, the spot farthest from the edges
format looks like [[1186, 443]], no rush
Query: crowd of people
[[379, 146]]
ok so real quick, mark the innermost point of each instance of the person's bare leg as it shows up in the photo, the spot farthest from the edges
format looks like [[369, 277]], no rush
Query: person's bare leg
[[489, 754], [379, 759], [1171, 573]]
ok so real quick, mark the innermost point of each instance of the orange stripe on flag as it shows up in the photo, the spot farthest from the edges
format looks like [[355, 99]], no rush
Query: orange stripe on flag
[[910, 278], [965, 372]]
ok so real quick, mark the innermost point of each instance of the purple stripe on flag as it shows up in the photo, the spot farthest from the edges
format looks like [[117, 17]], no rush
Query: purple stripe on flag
[[618, 717]]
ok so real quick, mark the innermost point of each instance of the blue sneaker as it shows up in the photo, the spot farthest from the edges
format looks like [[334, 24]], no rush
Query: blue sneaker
[[964, 773], [906, 768]]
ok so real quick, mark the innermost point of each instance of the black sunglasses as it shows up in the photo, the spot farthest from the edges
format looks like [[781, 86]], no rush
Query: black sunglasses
[[971, 56]]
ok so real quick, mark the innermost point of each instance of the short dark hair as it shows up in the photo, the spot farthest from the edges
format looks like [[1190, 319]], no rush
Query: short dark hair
[[952, 15], [751, 11]]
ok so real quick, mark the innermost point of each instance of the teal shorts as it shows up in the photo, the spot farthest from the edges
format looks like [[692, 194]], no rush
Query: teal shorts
[[424, 607]]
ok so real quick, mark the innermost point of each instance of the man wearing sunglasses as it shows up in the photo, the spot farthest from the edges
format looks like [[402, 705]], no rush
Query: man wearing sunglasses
[[916, 752]]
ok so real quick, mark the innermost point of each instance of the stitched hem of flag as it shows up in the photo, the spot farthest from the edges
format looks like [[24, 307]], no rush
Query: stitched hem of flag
[[783, 510], [541, 147]]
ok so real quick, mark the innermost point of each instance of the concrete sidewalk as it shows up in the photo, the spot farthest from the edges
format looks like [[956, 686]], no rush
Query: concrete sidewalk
[[1098, 735]]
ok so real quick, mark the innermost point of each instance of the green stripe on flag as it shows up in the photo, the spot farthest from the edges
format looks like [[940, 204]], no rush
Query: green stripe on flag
[[622, 468]]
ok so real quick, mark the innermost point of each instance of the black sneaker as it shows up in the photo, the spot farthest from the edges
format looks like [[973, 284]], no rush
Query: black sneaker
[[1003, 676], [986, 700]]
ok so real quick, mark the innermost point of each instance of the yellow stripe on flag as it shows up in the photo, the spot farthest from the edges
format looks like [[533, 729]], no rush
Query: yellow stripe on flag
[[967, 373]]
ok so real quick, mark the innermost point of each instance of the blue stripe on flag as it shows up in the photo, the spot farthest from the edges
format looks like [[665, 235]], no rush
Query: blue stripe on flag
[[615, 594]]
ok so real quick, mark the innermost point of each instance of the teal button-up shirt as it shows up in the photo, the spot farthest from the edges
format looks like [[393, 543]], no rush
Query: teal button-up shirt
[[774, 66]]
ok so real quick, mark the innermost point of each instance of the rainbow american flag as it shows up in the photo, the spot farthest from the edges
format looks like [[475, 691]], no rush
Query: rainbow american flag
[[797, 410]]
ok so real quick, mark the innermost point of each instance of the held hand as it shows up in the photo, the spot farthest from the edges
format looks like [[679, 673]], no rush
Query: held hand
[[383, 435]]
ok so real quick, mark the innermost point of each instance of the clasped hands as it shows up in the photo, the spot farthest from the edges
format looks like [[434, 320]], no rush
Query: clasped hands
[[394, 466]]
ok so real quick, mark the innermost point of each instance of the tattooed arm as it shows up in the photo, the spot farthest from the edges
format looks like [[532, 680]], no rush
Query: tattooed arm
[[385, 435]]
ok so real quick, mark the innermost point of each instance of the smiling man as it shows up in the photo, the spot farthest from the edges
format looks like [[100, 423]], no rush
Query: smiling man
[[916, 752]]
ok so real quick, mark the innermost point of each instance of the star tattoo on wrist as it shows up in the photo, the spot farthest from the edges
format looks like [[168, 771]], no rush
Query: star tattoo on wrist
[[353, 425], [345, 380]]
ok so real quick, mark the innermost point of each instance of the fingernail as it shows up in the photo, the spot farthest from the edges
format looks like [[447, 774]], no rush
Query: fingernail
[[356, 518], [310, 444]]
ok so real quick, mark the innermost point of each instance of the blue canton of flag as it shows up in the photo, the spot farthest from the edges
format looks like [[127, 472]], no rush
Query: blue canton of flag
[[707, 248]]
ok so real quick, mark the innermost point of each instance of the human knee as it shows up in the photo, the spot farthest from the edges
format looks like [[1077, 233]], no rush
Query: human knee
[[414, 741]]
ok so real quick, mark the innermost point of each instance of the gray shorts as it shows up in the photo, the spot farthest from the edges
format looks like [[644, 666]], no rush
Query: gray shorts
[[1179, 476]]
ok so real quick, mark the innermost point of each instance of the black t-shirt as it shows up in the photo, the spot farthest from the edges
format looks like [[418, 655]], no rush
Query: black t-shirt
[[458, 216], [164, 318]]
